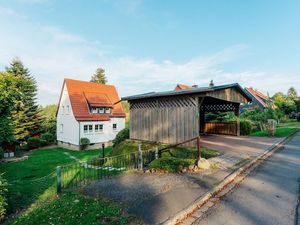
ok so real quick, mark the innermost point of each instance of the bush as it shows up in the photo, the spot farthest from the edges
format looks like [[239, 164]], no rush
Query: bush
[[43, 143], [3, 190], [84, 142], [121, 136], [171, 164], [245, 127], [33, 143], [48, 137]]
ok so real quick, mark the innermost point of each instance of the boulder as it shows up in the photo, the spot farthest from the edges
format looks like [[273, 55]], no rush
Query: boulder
[[203, 164]]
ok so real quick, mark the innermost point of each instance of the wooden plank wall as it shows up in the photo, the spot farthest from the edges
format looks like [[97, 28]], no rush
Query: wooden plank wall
[[229, 128], [229, 94], [168, 120]]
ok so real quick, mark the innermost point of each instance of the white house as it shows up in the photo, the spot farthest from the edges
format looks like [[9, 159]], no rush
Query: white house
[[89, 110]]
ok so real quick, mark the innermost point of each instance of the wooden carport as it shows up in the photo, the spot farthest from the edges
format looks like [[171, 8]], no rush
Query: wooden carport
[[176, 116]]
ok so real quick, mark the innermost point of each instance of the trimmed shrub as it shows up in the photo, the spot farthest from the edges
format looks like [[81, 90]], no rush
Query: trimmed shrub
[[171, 164], [121, 136], [48, 137], [84, 142], [43, 143], [33, 143], [246, 127], [3, 190]]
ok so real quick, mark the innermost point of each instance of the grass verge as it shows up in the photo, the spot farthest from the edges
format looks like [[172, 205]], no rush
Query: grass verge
[[32, 182], [74, 209]]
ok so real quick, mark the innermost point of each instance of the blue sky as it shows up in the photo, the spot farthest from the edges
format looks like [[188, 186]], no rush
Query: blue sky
[[151, 45]]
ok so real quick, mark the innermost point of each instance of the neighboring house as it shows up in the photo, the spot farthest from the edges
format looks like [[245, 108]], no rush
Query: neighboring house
[[88, 110], [182, 86], [259, 100]]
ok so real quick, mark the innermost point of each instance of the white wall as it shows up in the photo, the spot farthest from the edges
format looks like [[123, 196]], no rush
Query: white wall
[[65, 116], [108, 133]]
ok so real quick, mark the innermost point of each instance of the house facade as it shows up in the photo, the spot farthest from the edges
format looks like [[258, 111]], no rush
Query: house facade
[[258, 100], [88, 110]]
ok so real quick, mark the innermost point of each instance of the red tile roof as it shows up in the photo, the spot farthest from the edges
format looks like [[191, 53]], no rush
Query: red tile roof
[[82, 94], [182, 86], [258, 95]]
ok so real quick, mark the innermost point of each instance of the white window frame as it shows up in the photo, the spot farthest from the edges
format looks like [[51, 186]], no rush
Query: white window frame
[[90, 130], [99, 128], [115, 128], [85, 131], [101, 110], [94, 110], [107, 110]]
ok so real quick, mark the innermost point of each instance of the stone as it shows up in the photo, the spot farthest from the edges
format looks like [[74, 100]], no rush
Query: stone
[[183, 170], [203, 164], [147, 171], [191, 167]]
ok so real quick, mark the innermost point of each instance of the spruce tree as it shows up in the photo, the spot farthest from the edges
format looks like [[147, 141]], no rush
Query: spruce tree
[[99, 76], [25, 113]]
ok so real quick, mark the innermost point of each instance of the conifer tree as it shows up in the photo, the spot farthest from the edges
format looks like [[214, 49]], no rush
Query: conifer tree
[[25, 113], [99, 76]]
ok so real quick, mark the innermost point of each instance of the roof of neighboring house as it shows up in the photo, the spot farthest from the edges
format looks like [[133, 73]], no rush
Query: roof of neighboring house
[[181, 86], [260, 97], [192, 90], [83, 94]]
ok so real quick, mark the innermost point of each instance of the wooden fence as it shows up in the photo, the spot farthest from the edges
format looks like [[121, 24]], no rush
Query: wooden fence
[[229, 128]]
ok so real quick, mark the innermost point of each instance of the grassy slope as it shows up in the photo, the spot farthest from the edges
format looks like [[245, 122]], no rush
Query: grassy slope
[[27, 182], [74, 209], [170, 159], [282, 130]]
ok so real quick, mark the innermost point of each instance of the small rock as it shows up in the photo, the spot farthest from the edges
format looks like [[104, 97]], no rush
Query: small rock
[[183, 170], [147, 171], [191, 167], [203, 164]]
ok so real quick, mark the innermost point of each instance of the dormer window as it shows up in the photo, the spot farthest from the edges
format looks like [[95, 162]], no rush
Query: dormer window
[[94, 110], [100, 110], [107, 110]]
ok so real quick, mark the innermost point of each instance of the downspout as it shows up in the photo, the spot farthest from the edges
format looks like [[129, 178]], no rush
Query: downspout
[[79, 134]]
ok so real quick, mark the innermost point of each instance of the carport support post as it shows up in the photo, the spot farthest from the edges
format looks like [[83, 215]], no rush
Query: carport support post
[[140, 157], [199, 148], [156, 153], [238, 126]]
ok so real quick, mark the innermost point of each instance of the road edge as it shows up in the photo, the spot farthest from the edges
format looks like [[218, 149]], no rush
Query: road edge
[[198, 203]]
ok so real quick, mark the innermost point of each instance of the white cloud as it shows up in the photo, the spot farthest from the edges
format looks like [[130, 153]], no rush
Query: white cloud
[[53, 54]]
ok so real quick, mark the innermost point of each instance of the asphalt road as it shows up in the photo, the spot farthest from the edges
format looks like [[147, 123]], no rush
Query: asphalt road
[[267, 196]]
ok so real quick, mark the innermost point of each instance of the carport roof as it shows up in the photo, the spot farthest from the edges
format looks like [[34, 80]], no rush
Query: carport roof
[[193, 90]]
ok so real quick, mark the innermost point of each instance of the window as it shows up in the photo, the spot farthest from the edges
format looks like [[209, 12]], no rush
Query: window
[[94, 110], [63, 110], [68, 109], [107, 110], [101, 110], [114, 126], [99, 128], [61, 128], [85, 129], [90, 128]]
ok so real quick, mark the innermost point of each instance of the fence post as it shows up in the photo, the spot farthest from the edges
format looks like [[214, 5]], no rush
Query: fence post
[[199, 147], [140, 157], [156, 153], [58, 175]]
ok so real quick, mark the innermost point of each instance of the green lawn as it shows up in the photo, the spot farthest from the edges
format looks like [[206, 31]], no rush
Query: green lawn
[[170, 159], [74, 209], [282, 130], [32, 182]]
